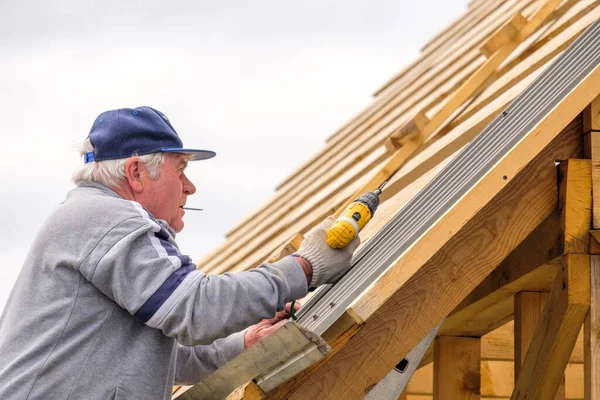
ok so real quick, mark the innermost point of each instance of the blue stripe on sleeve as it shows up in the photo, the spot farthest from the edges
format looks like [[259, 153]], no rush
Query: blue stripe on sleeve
[[162, 294]]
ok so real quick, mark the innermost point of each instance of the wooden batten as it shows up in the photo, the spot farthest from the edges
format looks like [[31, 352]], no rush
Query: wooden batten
[[503, 35], [525, 226], [219, 263], [395, 327], [379, 118]]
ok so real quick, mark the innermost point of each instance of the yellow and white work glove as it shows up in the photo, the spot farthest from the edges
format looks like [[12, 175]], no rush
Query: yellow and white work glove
[[328, 264]]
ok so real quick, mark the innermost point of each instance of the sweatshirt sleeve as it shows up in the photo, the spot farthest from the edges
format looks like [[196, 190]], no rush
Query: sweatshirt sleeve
[[138, 265], [194, 363]]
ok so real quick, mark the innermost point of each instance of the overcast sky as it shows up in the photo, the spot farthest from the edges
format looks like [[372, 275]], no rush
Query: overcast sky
[[262, 83]]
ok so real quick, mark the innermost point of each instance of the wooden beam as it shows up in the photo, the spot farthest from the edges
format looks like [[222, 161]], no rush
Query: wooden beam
[[457, 99], [529, 307], [401, 314], [287, 248], [249, 391], [497, 381], [557, 331], [290, 348], [592, 335], [591, 127], [456, 368], [249, 259], [503, 35], [531, 266], [575, 187]]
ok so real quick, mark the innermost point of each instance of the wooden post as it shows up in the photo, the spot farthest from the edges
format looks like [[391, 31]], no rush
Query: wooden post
[[591, 336], [456, 368], [528, 311], [575, 191], [591, 128], [557, 331]]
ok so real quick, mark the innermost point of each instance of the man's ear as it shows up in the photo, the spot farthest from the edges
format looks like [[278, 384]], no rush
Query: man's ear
[[133, 174]]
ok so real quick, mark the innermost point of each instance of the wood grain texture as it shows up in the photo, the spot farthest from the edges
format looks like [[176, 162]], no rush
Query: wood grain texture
[[452, 66], [249, 391], [405, 179], [456, 368], [591, 126], [497, 381], [441, 283], [575, 187], [592, 335], [529, 307], [487, 187], [557, 331], [223, 262]]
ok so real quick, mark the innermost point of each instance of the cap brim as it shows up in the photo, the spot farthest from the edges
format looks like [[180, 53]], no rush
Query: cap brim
[[198, 154]]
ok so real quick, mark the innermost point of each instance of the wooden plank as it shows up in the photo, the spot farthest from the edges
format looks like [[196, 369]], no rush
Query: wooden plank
[[575, 187], [288, 247], [492, 15], [495, 95], [529, 307], [591, 116], [503, 35], [399, 322], [272, 352], [447, 67], [456, 373], [217, 271], [591, 126], [249, 391], [497, 381], [458, 98], [534, 57], [531, 266], [484, 191], [557, 331], [592, 335]]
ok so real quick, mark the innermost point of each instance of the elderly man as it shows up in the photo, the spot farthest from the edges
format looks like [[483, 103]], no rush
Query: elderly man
[[106, 306]]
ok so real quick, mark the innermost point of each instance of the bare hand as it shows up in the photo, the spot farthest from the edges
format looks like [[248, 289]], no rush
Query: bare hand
[[266, 326]]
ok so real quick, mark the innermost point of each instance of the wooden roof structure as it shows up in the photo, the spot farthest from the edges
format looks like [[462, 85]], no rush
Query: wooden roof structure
[[521, 237]]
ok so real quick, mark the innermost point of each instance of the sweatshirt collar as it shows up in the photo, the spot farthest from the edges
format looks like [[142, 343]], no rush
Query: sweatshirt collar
[[112, 193]]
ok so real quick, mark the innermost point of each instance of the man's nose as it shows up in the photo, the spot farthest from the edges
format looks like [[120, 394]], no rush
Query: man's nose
[[188, 186]]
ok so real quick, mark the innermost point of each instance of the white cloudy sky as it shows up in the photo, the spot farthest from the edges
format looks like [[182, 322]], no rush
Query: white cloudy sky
[[262, 83]]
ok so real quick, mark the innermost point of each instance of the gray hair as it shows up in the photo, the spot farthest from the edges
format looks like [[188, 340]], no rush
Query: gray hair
[[111, 172]]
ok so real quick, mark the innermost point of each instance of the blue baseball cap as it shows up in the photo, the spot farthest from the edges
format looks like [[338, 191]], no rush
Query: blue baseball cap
[[142, 130]]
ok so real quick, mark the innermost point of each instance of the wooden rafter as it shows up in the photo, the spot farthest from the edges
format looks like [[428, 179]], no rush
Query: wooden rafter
[[407, 312]]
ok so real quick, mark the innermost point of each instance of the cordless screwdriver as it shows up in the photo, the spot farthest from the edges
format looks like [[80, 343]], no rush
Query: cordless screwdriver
[[353, 219]]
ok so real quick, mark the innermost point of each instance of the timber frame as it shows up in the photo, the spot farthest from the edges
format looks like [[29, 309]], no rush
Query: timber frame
[[513, 269], [554, 265]]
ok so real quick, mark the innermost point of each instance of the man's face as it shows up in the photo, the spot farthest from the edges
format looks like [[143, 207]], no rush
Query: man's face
[[165, 196]]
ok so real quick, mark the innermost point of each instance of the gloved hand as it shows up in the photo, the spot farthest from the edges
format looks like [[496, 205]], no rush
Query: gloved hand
[[327, 264]]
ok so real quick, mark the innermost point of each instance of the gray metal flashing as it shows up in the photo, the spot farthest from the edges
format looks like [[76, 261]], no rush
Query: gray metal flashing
[[456, 179]]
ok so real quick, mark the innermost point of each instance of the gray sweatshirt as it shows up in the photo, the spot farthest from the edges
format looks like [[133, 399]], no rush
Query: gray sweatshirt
[[106, 307]]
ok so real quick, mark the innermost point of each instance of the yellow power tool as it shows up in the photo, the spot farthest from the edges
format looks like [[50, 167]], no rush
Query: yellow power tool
[[353, 219]]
